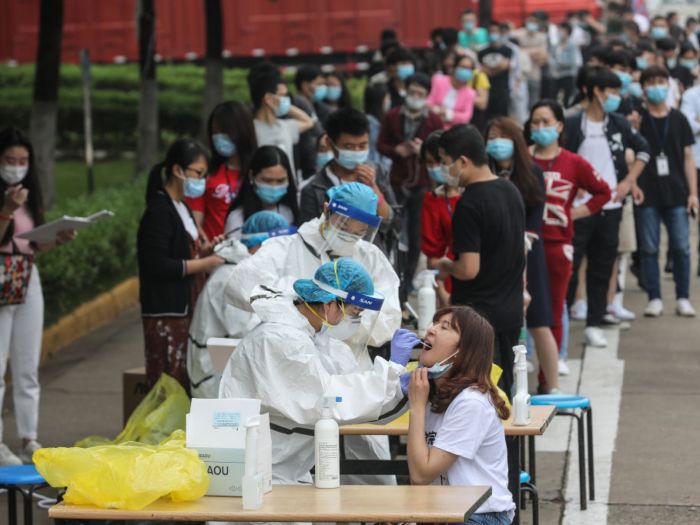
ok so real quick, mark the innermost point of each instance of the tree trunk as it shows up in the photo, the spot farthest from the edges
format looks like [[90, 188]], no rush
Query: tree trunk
[[147, 147], [213, 63], [42, 126]]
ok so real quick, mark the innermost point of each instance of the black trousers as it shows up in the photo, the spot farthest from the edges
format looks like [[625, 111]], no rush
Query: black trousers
[[595, 237], [412, 201]]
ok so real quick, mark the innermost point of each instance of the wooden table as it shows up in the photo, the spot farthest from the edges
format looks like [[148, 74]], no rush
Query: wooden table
[[349, 503]]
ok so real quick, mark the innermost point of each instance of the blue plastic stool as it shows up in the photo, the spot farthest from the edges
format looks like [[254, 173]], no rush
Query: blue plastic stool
[[566, 406], [526, 485], [14, 478]]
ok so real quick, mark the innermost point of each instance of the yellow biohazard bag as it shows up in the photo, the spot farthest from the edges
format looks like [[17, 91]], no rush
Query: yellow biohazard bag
[[125, 476], [161, 412]]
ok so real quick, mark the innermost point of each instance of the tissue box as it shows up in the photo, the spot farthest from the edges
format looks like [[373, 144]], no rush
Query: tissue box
[[216, 429]]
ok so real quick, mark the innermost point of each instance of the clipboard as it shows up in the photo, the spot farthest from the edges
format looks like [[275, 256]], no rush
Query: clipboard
[[47, 232]]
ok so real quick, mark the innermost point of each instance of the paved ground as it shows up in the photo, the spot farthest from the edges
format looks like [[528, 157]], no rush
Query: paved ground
[[646, 394]]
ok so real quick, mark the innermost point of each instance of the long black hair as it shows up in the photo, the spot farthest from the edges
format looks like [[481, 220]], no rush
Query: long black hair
[[236, 120], [13, 137], [182, 152], [374, 100], [266, 157], [345, 100]]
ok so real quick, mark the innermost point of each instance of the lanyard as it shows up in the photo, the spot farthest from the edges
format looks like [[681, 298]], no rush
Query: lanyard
[[661, 138]]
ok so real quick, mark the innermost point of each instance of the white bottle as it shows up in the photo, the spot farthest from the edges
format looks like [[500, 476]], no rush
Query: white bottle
[[252, 482], [427, 300], [521, 400], [327, 447]]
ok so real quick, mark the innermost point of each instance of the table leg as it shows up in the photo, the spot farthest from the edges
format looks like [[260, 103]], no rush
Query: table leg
[[532, 459], [513, 446]]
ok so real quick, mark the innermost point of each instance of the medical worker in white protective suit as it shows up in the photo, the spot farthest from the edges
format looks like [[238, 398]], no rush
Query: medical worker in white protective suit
[[281, 363], [345, 229], [213, 317]]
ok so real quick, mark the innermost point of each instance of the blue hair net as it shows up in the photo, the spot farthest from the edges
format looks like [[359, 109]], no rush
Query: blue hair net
[[343, 274], [261, 222], [355, 194]]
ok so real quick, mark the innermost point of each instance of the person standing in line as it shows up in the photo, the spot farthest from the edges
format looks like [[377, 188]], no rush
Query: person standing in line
[[533, 42], [496, 60], [472, 36], [691, 109], [311, 92], [670, 186], [564, 61]]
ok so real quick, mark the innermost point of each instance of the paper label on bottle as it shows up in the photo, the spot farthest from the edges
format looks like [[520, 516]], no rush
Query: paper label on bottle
[[226, 419]]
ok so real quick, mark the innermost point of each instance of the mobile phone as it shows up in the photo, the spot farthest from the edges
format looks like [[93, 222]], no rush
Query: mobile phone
[[694, 213]]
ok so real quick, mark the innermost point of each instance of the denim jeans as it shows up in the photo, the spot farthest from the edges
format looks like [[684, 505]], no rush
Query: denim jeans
[[489, 518], [677, 225]]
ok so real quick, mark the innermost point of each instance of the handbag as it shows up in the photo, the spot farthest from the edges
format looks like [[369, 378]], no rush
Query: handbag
[[14, 276]]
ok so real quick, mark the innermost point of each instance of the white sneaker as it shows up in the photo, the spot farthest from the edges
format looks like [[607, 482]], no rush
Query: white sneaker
[[27, 451], [7, 458], [563, 368], [594, 337], [684, 308], [622, 313], [579, 310], [654, 309]]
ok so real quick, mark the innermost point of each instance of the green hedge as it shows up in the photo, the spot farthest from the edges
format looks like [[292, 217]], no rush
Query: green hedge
[[100, 257]]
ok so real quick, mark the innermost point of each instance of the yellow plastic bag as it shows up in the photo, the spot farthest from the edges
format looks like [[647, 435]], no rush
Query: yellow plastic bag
[[125, 476], [160, 413]]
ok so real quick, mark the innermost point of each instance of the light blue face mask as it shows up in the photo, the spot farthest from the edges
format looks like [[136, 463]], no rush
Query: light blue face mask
[[283, 107], [533, 27], [333, 93], [625, 78], [636, 90], [642, 63], [689, 63], [439, 369], [270, 194], [612, 103], [194, 187], [350, 159], [500, 149], [672, 63], [435, 173], [320, 92], [223, 145], [656, 94], [544, 136], [404, 71], [657, 33], [494, 37], [464, 74], [469, 26], [323, 158]]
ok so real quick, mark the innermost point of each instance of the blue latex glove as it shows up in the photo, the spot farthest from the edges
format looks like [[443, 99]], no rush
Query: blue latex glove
[[401, 345], [405, 379]]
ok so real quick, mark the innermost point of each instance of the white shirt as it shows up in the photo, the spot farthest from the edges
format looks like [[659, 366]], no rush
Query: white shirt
[[187, 222], [596, 150], [470, 429], [234, 222], [691, 109], [283, 133]]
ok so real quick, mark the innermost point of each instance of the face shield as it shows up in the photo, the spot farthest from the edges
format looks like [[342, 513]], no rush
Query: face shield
[[345, 225]]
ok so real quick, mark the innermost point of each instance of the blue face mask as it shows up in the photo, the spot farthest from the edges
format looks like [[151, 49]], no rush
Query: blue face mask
[[544, 136], [320, 92], [436, 174], [283, 107], [612, 103], [350, 159], [333, 93], [642, 63], [194, 188], [405, 70], [500, 149], [439, 369], [533, 27], [672, 62], [656, 94], [657, 33], [495, 37], [270, 194], [636, 90], [223, 144], [469, 26], [689, 63], [625, 78], [323, 158], [464, 74]]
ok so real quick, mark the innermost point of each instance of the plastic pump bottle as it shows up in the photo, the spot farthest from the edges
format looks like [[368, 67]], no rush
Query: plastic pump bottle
[[426, 299], [327, 446], [521, 400], [252, 482]]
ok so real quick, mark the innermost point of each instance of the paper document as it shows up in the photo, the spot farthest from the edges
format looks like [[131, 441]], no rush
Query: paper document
[[48, 232]]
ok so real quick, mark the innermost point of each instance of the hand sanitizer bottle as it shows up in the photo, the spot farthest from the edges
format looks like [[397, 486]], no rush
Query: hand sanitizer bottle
[[426, 300], [252, 482], [326, 444], [521, 400]]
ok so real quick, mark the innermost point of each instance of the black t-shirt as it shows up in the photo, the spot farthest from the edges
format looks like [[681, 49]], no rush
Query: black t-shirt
[[492, 56], [489, 219], [675, 133]]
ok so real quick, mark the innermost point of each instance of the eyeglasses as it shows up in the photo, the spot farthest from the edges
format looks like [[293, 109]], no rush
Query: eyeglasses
[[200, 173]]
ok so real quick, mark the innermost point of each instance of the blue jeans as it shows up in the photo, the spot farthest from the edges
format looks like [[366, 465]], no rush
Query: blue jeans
[[676, 221], [489, 518]]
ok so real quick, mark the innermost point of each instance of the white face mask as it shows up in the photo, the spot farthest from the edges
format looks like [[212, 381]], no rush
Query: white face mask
[[13, 174], [415, 104], [345, 329], [340, 242]]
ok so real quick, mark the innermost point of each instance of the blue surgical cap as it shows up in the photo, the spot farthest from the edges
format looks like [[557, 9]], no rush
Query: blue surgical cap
[[261, 222], [343, 274], [355, 194]]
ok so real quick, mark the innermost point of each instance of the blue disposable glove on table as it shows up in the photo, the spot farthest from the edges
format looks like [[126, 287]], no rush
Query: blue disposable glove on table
[[401, 345]]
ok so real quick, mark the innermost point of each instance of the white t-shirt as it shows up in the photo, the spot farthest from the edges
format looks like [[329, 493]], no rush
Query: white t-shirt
[[596, 150], [470, 428], [283, 133], [234, 222], [188, 223]]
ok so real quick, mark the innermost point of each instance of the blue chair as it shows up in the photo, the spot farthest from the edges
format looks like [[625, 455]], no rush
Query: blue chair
[[567, 405], [14, 479], [526, 485]]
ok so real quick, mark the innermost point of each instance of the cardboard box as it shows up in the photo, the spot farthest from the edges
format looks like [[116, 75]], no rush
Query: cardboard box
[[134, 389]]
